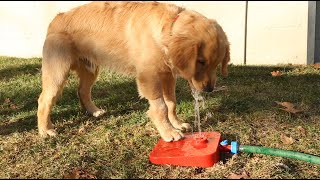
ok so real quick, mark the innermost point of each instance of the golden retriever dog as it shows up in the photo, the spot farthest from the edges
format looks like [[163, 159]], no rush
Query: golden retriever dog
[[154, 42]]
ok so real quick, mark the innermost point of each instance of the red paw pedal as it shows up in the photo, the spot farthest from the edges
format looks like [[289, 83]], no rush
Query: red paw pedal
[[197, 149]]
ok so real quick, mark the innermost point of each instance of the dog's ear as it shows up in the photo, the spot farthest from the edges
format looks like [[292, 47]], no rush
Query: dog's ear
[[183, 53], [225, 43]]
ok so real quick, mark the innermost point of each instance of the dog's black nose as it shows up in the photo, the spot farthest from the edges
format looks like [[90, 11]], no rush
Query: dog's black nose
[[208, 88]]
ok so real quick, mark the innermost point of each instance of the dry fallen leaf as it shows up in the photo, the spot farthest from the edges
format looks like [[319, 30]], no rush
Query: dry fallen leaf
[[78, 173], [316, 66], [286, 140], [13, 106], [301, 130], [75, 174], [7, 101], [289, 107], [244, 175], [276, 73]]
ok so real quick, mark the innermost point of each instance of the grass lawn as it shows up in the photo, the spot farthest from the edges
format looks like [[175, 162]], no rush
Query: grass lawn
[[117, 144]]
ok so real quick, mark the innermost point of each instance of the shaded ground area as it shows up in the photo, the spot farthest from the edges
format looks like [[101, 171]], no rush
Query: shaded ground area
[[117, 145]]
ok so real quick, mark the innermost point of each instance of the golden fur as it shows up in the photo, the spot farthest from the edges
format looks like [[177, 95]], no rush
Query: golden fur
[[154, 42]]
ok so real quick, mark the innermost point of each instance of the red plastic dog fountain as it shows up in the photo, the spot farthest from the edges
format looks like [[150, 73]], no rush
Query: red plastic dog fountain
[[197, 149], [203, 150]]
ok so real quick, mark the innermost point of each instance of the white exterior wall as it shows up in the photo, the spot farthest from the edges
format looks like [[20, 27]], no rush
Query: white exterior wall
[[277, 31], [23, 25]]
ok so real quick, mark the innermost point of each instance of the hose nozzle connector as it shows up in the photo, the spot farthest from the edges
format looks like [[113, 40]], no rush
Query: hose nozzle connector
[[234, 147]]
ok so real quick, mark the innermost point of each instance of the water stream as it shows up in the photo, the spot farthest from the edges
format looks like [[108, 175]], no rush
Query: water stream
[[200, 101]]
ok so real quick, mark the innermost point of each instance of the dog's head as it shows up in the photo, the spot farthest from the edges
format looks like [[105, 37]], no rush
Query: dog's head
[[196, 47]]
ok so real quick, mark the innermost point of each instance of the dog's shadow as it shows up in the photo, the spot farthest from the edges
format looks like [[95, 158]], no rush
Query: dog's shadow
[[121, 97], [117, 97], [17, 70], [20, 125]]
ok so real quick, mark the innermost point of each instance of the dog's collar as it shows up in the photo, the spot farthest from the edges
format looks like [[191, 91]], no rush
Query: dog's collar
[[173, 21]]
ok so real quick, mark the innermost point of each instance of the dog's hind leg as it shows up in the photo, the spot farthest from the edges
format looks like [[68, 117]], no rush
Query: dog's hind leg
[[86, 81], [57, 60]]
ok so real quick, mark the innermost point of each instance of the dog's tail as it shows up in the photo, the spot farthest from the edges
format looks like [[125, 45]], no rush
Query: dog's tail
[[225, 61]]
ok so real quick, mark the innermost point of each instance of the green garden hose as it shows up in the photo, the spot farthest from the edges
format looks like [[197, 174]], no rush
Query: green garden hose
[[279, 152]]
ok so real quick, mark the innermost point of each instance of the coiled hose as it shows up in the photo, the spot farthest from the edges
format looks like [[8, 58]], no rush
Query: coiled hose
[[279, 152]]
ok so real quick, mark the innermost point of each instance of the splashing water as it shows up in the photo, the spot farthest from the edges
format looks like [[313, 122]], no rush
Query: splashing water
[[198, 98]]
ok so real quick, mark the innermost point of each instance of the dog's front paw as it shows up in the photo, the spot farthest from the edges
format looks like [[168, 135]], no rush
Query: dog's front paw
[[98, 113], [171, 135], [48, 132], [183, 127]]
